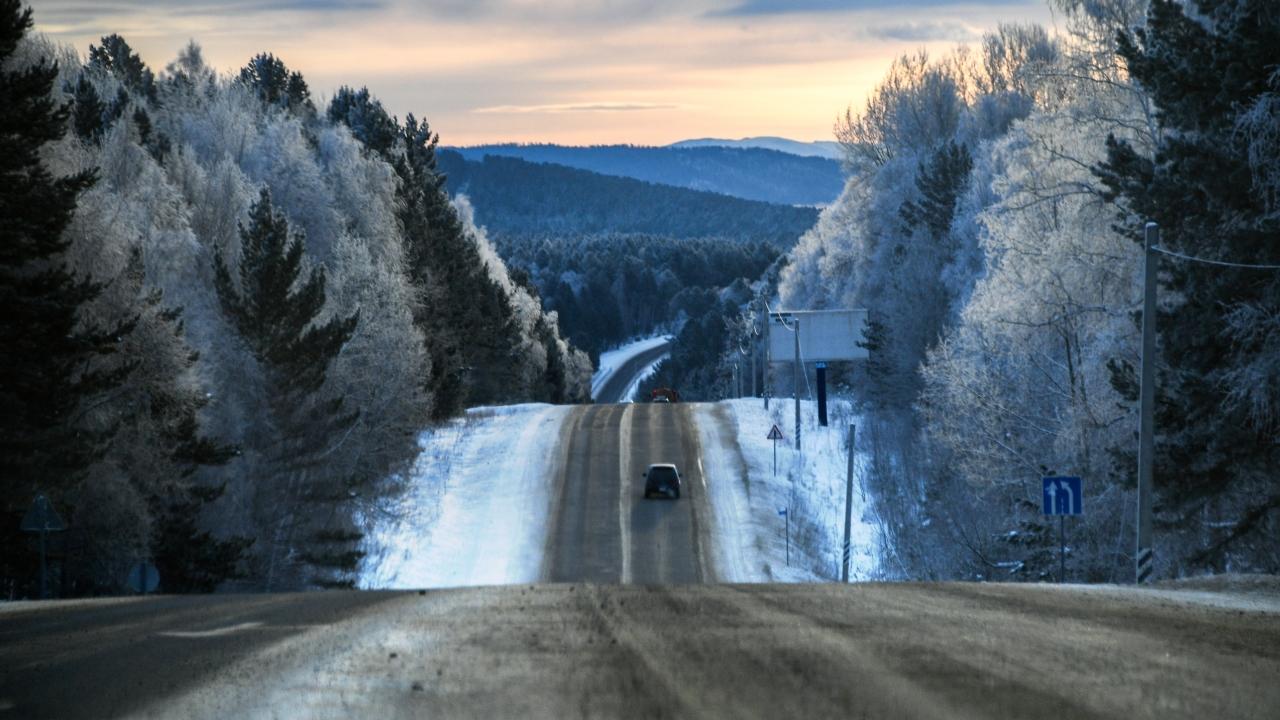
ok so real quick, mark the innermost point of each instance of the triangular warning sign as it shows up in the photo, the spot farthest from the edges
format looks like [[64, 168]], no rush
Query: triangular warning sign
[[775, 433], [42, 517]]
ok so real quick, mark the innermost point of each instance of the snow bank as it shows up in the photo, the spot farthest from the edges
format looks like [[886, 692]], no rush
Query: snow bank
[[746, 497], [477, 505], [614, 359]]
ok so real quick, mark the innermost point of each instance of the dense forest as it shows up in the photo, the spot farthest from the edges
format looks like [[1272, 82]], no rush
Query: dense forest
[[752, 173], [609, 288], [228, 314], [993, 226], [513, 196]]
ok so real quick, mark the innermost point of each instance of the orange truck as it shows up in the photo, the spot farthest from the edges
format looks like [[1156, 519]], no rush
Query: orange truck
[[664, 394]]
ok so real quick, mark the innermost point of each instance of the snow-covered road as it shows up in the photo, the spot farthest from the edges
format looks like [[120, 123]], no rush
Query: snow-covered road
[[622, 369]]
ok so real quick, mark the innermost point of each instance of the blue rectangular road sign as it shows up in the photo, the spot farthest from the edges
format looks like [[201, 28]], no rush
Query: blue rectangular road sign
[[1062, 496]]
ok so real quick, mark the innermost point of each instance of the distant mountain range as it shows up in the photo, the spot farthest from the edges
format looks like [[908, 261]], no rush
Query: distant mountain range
[[516, 197], [828, 149], [748, 172]]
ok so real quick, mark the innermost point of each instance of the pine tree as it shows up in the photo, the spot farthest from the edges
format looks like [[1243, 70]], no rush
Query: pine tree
[[1218, 384], [89, 115], [368, 121], [273, 304], [115, 57], [462, 300], [46, 354], [940, 183], [276, 85]]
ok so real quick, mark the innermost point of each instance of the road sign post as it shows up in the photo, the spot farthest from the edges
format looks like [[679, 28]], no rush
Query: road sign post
[[43, 519], [1062, 495], [821, 373], [775, 435]]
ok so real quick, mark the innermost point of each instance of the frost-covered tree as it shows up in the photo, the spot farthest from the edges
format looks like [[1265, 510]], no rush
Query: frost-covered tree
[[1210, 69], [186, 373]]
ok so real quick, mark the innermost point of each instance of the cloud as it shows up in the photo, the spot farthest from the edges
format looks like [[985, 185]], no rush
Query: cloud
[[79, 8], [922, 32], [573, 108], [782, 7]]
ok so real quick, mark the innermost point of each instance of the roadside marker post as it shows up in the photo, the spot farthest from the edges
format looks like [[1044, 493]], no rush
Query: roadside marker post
[[848, 509], [787, 517], [1062, 495], [775, 435]]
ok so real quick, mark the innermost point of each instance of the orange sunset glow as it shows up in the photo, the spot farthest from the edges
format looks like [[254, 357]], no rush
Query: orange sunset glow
[[617, 71]]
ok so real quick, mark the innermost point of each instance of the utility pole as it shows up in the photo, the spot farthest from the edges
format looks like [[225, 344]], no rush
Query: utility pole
[[768, 365], [1146, 423], [796, 379], [754, 350], [848, 509]]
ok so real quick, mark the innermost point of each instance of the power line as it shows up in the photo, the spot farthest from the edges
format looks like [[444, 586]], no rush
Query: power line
[[1206, 261]]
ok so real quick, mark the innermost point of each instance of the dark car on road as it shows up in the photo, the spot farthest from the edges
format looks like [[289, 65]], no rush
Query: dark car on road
[[662, 479]]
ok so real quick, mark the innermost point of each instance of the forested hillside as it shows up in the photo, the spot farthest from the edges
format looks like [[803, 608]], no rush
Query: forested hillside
[[228, 314], [618, 258], [515, 196], [608, 288], [752, 173], [993, 228]]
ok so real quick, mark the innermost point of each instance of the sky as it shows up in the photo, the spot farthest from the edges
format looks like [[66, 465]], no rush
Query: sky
[[579, 72]]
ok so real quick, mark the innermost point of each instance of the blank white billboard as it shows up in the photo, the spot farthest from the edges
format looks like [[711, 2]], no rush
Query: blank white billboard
[[825, 335]]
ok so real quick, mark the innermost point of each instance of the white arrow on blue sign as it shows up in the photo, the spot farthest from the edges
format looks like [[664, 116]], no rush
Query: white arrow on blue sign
[[1062, 496]]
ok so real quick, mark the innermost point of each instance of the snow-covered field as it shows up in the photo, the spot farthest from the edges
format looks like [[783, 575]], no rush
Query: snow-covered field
[[477, 505], [612, 360], [811, 488]]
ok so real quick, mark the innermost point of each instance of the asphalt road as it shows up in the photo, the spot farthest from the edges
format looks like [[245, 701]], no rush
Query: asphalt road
[[602, 528], [631, 626], [622, 377], [585, 650]]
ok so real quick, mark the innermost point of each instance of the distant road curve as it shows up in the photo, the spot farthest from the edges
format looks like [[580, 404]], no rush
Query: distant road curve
[[622, 378]]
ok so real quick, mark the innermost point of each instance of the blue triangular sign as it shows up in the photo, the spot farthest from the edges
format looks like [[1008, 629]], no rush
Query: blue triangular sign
[[42, 517]]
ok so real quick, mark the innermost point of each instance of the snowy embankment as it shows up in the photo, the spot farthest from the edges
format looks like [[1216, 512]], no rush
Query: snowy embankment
[[476, 508], [746, 497], [615, 360]]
